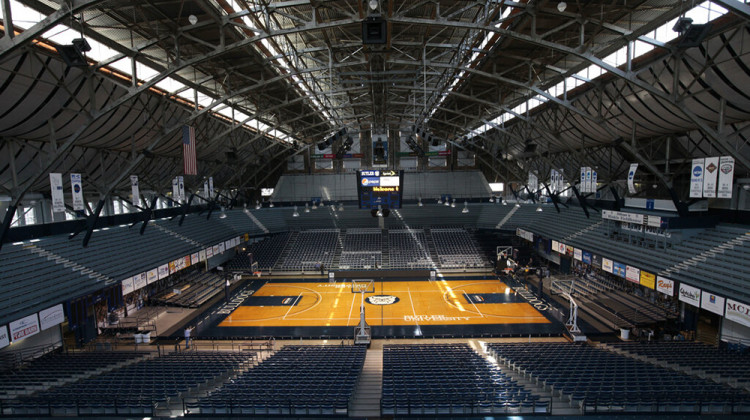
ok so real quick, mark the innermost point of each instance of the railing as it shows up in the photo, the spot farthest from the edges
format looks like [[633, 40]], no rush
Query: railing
[[471, 408], [13, 359], [692, 406]]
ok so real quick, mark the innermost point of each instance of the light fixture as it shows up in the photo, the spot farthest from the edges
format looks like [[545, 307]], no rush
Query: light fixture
[[270, 203], [341, 206], [518, 205], [322, 204], [746, 187], [373, 4], [295, 213], [307, 209], [314, 206], [492, 199], [562, 6], [466, 207], [539, 208], [440, 200], [447, 202], [257, 204], [453, 203], [419, 202], [380, 211], [222, 215], [193, 19], [505, 203]]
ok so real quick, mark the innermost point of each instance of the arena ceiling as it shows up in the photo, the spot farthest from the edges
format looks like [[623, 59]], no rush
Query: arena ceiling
[[264, 80]]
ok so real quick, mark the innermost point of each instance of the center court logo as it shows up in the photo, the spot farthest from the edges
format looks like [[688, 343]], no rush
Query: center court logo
[[381, 300]]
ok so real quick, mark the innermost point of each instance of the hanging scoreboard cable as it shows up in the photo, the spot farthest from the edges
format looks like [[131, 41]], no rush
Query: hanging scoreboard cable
[[384, 188]]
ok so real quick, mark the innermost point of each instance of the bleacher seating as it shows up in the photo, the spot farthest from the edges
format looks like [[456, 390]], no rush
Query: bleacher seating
[[266, 253], [133, 389], [455, 248], [443, 379], [407, 248], [596, 380], [362, 249], [309, 249], [295, 381], [195, 289]]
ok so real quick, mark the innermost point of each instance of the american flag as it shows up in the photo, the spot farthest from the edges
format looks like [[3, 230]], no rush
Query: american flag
[[188, 150]]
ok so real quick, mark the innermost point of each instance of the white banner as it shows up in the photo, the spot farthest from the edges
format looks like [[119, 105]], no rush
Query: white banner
[[553, 180], [76, 189], [205, 189], [578, 254], [135, 190], [726, 176], [561, 248], [631, 178], [593, 181], [560, 180], [735, 311], [202, 254], [665, 285], [4, 338], [525, 234], [555, 246], [622, 216], [533, 183], [713, 303], [607, 265], [210, 251], [175, 189], [589, 189], [50, 317], [127, 286], [710, 174], [211, 187], [696, 179], [633, 274], [181, 187], [690, 294], [228, 244], [221, 248], [163, 271], [56, 188], [139, 281], [195, 258], [582, 181], [24, 327], [152, 275]]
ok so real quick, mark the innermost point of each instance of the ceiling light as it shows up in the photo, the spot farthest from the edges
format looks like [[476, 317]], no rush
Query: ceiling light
[[193, 19], [562, 6], [295, 213], [447, 202]]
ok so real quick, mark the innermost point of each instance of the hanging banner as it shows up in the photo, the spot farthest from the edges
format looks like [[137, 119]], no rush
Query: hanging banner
[[24, 327], [50, 317], [4, 338], [560, 180], [735, 311], [578, 254], [76, 190], [589, 189], [633, 274], [726, 176], [56, 188], [181, 187], [582, 183], [713, 303], [665, 285], [135, 190], [553, 180], [593, 181], [205, 189], [210, 187], [631, 178], [163, 271], [696, 179], [690, 294], [607, 265], [152, 275], [710, 175], [127, 286], [561, 248], [648, 280], [175, 189]]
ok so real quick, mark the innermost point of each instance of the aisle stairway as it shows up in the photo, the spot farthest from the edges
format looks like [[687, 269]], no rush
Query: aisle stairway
[[366, 399]]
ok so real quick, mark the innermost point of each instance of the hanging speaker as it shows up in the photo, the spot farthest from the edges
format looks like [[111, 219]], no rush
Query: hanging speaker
[[374, 30]]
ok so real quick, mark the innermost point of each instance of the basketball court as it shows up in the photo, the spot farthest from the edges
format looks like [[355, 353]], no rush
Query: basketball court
[[468, 306]]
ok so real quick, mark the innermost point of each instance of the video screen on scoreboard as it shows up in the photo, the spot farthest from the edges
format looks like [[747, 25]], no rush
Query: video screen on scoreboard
[[376, 187]]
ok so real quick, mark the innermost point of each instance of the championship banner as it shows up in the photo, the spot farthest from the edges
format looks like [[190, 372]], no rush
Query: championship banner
[[619, 269], [631, 178], [713, 303], [690, 294], [228, 244], [608, 265], [726, 176], [195, 258], [648, 280], [181, 187], [152, 275], [593, 181], [56, 189], [582, 181], [735, 311], [140, 281], [127, 286], [4, 337], [633, 274], [578, 254], [76, 190], [135, 190], [163, 271], [710, 175], [588, 180], [665, 285], [696, 179], [50, 317], [553, 180], [560, 180], [586, 258], [24, 327], [175, 189], [210, 186], [205, 189]]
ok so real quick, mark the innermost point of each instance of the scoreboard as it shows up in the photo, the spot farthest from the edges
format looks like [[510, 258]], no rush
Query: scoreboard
[[376, 187]]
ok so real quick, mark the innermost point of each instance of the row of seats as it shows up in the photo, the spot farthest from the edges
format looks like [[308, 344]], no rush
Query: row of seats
[[194, 290]]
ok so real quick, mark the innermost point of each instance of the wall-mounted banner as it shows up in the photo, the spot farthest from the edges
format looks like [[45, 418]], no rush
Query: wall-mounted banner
[[50, 317], [210, 251], [202, 254], [726, 176], [76, 190], [648, 279], [633, 274], [561, 248], [221, 248], [713, 303], [631, 178], [24, 327], [710, 175], [56, 189], [140, 281], [596, 261], [134, 189], [619, 269], [195, 258], [152, 275], [525, 234], [569, 250], [586, 258], [4, 337], [665, 285], [621, 216], [555, 246], [735, 311], [690, 294], [163, 271], [608, 265], [696, 178], [578, 254], [127, 286]]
